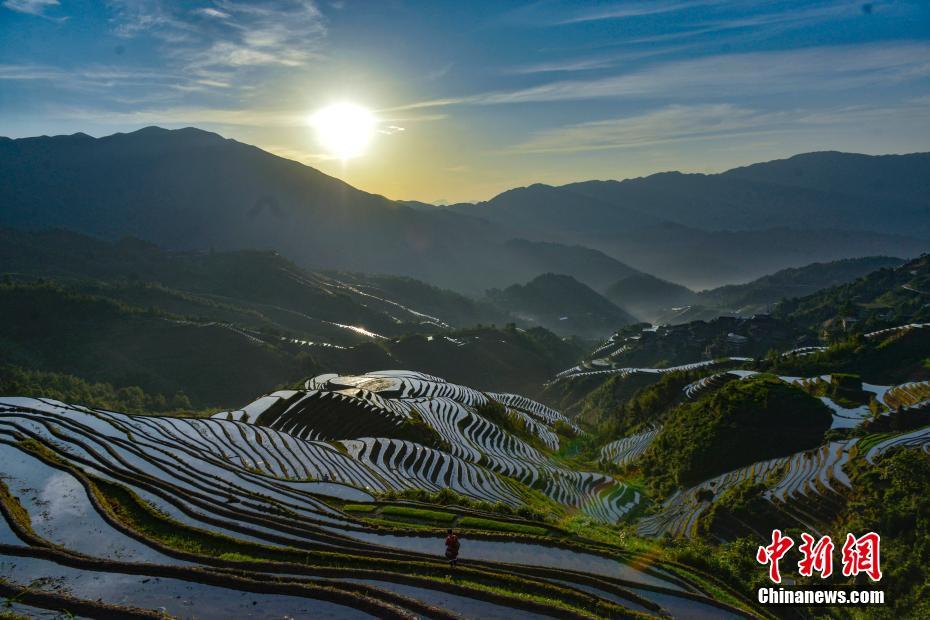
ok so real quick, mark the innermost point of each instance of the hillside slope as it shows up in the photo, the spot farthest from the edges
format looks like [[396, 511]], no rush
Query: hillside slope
[[826, 190], [189, 189], [562, 304], [648, 296], [705, 230], [761, 295]]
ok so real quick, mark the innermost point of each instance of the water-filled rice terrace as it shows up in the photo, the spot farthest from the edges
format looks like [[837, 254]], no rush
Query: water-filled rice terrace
[[294, 506], [802, 487]]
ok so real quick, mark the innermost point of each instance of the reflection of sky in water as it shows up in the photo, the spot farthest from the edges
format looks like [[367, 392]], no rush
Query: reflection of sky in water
[[61, 495], [515, 553], [61, 513], [461, 605], [178, 598], [686, 608]]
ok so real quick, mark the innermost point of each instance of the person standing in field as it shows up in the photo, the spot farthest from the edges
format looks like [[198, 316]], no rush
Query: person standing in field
[[452, 548]]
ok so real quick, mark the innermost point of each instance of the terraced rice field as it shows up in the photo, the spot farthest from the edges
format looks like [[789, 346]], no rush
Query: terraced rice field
[[792, 481], [918, 439], [596, 368], [899, 328], [624, 451], [374, 416], [810, 473], [908, 395], [219, 518]]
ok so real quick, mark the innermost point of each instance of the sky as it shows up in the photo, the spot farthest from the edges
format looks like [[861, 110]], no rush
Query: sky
[[473, 98]]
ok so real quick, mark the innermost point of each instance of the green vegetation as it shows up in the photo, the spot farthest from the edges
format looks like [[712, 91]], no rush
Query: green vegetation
[[892, 498], [442, 303], [495, 358], [220, 326], [444, 518], [363, 508], [126, 507], [16, 381], [793, 283], [417, 514], [745, 421], [896, 358], [478, 523], [845, 389], [51, 329], [883, 298], [739, 508], [448, 497], [564, 305], [14, 509], [579, 451], [733, 562], [360, 507], [497, 413], [621, 411]]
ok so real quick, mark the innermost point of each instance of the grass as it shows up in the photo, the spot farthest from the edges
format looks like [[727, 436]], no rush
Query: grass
[[868, 441], [123, 504], [405, 512], [501, 526], [133, 512], [15, 509]]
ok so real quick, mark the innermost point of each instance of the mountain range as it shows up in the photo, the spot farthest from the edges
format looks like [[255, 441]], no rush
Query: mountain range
[[189, 189]]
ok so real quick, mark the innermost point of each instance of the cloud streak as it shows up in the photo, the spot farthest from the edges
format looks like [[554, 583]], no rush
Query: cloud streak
[[623, 10], [217, 42], [687, 123], [671, 124], [831, 69], [39, 8]]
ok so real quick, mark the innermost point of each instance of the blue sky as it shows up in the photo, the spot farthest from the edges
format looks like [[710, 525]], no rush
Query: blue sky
[[476, 97]]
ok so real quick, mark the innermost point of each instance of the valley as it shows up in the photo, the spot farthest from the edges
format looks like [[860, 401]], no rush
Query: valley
[[421, 309], [246, 431], [335, 491]]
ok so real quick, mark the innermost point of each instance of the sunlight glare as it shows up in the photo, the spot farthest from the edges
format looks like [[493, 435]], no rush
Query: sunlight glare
[[344, 129]]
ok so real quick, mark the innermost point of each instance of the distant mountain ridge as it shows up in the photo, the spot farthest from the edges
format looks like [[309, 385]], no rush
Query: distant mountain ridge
[[745, 223], [760, 296], [189, 189], [564, 305], [819, 190], [796, 282]]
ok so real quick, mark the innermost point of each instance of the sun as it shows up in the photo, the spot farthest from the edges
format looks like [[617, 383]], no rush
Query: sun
[[344, 129]]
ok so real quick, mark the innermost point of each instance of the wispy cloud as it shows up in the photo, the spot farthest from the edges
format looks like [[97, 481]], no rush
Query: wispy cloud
[[228, 35], [29, 72], [91, 77], [562, 66], [833, 69], [673, 123], [735, 24], [686, 123], [621, 10], [186, 115], [549, 14], [440, 73], [38, 8], [578, 65], [211, 12]]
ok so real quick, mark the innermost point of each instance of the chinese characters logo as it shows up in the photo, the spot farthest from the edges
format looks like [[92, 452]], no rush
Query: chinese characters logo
[[859, 555]]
